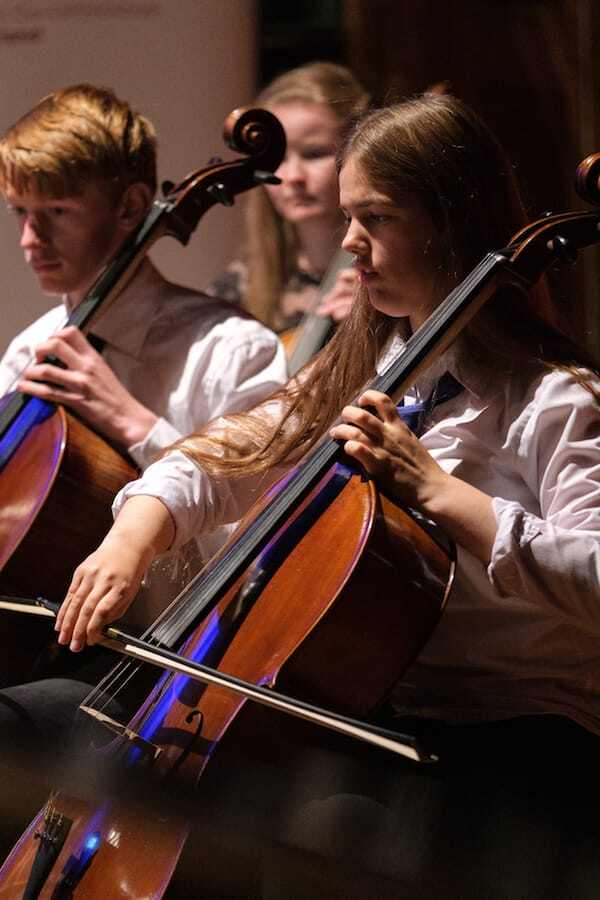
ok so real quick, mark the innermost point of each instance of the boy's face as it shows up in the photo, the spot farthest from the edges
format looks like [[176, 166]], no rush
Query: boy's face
[[68, 240]]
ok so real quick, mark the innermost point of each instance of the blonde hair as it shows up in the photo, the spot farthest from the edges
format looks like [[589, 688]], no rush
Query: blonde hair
[[434, 148], [271, 246], [75, 136]]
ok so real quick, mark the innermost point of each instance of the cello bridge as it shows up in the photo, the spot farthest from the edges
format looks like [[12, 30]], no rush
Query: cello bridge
[[147, 747]]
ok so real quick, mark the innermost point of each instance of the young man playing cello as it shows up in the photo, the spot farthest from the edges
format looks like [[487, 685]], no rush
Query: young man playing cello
[[79, 173]]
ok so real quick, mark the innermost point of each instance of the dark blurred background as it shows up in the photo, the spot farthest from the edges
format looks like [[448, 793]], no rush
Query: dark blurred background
[[529, 67]]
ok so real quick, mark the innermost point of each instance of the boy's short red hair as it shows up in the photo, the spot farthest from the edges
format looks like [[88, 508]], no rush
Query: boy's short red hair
[[75, 136]]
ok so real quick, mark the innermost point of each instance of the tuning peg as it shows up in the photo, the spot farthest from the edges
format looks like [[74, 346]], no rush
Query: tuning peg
[[214, 161], [219, 192], [563, 249], [262, 177], [167, 187]]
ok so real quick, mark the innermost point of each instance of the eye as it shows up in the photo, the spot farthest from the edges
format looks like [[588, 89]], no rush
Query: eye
[[57, 211], [15, 210], [379, 218], [317, 152]]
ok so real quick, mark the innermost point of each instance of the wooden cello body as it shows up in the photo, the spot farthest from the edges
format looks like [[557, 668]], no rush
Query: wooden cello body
[[55, 507], [329, 625], [66, 473]]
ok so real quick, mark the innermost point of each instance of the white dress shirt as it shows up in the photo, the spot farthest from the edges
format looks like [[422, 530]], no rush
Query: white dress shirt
[[187, 357], [518, 636]]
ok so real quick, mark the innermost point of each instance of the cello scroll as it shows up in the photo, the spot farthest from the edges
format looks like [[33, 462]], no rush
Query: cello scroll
[[256, 133], [587, 179]]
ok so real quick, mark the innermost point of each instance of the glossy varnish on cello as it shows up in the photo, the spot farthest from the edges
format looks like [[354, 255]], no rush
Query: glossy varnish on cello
[[326, 623], [57, 477], [55, 504], [329, 588]]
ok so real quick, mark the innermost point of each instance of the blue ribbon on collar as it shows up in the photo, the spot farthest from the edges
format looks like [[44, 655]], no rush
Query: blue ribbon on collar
[[415, 414]]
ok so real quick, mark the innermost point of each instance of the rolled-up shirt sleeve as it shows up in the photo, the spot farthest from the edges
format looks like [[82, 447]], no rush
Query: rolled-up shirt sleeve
[[198, 503], [551, 556]]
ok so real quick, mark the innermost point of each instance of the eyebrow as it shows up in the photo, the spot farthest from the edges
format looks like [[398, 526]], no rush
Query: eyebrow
[[373, 201]]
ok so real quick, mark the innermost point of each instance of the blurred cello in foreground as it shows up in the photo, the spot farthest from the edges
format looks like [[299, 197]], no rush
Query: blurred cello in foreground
[[301, 598], [57, 476]]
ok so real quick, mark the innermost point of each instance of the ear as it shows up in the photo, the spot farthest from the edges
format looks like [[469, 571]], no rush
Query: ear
[[133, 206]]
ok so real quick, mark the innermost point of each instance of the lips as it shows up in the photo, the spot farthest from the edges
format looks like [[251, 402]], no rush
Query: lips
[[299, 199], [44, 265], [365, 274]]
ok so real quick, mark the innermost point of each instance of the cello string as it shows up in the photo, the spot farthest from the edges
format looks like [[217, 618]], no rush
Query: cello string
[[118, 679]]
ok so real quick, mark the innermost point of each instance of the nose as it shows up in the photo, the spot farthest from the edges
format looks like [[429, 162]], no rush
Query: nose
[[33, 233], [291, 169], [354, 240]]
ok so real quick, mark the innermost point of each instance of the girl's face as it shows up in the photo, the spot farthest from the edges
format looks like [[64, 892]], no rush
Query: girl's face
[[309, 191], [396, 248]]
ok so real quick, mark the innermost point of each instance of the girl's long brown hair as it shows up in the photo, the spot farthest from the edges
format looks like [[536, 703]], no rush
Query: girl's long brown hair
[[435, 148]]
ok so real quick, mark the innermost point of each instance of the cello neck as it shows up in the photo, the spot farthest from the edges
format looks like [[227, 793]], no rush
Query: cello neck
[[314, 330], [120, 270]]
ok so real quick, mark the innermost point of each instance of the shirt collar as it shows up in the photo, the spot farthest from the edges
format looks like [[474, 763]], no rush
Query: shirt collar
[[128, 319], [479, 384]]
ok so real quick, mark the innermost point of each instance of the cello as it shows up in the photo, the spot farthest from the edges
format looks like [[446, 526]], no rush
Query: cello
[[313, 332], [180, 730], [52, 464]]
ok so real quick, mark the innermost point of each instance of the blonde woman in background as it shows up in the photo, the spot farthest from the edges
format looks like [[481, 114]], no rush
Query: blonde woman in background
[[293, 230]]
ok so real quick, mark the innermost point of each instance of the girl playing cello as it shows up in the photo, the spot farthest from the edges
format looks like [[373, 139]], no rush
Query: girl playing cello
[[507, 691]]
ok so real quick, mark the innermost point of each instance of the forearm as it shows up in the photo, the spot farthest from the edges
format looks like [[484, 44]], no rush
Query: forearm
[[465, 513], [146, 524]]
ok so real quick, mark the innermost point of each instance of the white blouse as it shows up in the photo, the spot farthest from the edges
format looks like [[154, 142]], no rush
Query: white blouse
[[523, 634], [186, 356]]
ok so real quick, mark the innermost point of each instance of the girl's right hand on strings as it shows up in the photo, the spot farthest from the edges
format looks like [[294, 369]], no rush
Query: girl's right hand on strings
[[101, 590], [105, 583]]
